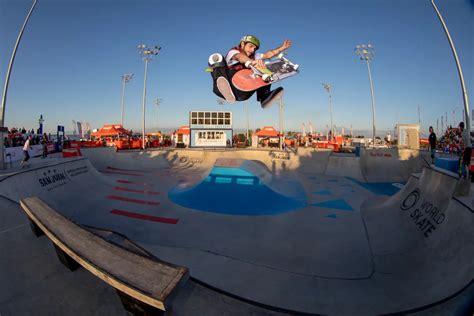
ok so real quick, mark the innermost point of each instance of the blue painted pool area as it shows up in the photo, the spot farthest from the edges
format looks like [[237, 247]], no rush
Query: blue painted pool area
[[381, 188], [237, 191], [339, 204]]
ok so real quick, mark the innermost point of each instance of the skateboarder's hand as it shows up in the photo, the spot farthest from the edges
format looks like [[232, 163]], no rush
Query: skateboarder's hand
[[286, 44], [259, 63]]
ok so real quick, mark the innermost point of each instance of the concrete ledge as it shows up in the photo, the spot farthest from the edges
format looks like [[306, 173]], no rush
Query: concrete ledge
[[151, 286]]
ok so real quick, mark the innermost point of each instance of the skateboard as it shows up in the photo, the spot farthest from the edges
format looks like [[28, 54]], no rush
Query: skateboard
[[251, 79]]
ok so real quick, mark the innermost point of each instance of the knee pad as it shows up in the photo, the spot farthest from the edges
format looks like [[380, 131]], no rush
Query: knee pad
[[216, 60]]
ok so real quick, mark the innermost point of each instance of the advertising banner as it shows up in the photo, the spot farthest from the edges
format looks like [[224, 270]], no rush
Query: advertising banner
[[16, 153]]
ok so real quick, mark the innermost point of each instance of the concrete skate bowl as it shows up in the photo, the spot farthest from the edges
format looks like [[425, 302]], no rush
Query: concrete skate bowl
[[346, 249], [258, 193]]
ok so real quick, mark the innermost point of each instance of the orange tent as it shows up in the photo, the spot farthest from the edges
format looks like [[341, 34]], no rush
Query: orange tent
[[154, 134], [183, 130], [111, 130], [268, 131]]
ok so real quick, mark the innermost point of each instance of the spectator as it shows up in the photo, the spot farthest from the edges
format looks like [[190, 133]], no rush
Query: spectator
[[389, 140], [44, 142], [26, 147], [432, 140], [466, 150]]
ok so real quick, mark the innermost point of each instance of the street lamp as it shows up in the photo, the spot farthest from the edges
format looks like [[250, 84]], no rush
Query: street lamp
[[458, 64], [147, 55], [221, 102], [328, 89], [282, 135], [157, 103], [366, 52], [3, 129], [125, 79], [247, 122]]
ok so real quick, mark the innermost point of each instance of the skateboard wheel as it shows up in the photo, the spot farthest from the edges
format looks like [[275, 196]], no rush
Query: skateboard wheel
[[280, 56], [266, 77], [296, 66]]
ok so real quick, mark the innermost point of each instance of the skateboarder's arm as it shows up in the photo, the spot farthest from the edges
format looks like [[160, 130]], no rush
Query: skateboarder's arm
[[242, 58], [269, 54]]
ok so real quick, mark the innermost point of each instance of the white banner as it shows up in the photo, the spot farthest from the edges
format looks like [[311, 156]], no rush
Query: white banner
[[16, 153], [210, 142]]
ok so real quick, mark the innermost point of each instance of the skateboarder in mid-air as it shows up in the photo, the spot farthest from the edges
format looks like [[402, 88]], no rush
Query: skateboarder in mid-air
[[240, 57]]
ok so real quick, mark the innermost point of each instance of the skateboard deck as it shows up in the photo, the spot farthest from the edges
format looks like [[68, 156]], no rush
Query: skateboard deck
[[252, 79]]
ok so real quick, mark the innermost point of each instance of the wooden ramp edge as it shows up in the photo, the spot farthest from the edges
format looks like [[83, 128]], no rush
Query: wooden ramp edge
[[144, 279]]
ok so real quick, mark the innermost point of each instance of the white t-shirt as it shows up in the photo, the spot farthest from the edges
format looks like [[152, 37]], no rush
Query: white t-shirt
[[233, 52], [27, 145]]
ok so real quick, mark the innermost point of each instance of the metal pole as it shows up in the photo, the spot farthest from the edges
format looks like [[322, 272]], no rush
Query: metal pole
[[373, 103], [328, 89], [419, 116], [458, 64], [282, 120], [157, 103], [281, 126], [330, 109], [123, 94], [5, 87], [247, 122], [419, 123], [143, 104]]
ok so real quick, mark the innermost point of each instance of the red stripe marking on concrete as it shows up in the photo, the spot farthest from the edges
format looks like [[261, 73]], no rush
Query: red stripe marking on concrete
[[127, 170], [124, 173], [125, 199], [135, 183], [126, 181], [145, 217], [135, 191]]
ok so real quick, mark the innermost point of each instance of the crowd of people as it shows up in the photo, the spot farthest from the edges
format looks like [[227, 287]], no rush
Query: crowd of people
[[455, 140], [17, 137]]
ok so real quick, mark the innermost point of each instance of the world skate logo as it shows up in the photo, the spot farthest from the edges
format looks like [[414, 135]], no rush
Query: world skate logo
[[410, 200], [427, 216]]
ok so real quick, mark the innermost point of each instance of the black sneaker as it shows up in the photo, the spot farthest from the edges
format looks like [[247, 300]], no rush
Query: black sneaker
[[225, 89], [271, 97]]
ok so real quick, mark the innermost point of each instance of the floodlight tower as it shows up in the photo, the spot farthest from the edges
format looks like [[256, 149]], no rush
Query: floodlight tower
[[366, 53], [221, 102], [125, 79], [147, 55], [247, 142], [282, 133], [157, 103], [329, 90]]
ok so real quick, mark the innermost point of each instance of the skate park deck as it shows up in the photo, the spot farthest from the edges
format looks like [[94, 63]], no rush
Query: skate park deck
[[345, 246]]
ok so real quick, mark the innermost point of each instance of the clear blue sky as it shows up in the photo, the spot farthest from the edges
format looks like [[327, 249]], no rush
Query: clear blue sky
[[73, 53]]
